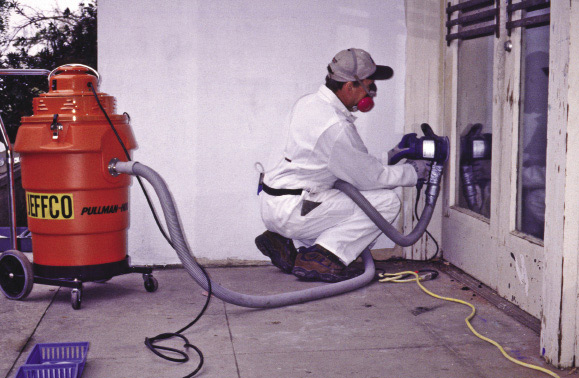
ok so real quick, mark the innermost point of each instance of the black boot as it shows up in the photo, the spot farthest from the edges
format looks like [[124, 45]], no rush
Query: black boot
[[279, 249], [318, 264]]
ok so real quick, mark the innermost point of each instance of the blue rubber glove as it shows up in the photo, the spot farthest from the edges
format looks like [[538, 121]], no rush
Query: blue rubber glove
[[404, 149]]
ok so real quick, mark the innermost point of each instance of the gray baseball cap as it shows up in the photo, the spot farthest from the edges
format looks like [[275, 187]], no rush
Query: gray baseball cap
[[356, 64]]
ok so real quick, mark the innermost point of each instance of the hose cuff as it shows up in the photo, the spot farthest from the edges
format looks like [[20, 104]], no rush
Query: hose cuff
[[433, 184], [116, 167]]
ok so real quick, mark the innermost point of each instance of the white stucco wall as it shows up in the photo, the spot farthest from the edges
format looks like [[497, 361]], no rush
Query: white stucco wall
[[208, 85]]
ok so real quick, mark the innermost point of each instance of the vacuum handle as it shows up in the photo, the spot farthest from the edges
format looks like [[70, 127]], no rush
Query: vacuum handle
[[23, 72], [10, 152], [74, 67], [11, 185]]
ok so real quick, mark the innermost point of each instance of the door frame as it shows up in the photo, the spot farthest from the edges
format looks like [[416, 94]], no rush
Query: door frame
[[554, 266], [559, 318]]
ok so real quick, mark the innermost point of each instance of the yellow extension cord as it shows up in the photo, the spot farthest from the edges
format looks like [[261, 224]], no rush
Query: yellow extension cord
[[396, 277]]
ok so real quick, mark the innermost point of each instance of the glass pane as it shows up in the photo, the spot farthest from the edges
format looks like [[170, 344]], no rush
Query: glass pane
[[533, 129], [474, 123]]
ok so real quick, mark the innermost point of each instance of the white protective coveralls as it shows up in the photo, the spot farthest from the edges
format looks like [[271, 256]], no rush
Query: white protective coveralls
[[323, 146]]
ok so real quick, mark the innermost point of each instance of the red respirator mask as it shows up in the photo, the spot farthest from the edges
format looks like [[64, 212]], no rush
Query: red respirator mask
[[367, 103]]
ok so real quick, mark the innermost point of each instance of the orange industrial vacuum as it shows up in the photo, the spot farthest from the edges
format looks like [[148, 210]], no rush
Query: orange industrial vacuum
[[78, 213]]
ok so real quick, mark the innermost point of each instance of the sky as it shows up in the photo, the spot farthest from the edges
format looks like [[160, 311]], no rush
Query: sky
[[43, 5], [51, 4]]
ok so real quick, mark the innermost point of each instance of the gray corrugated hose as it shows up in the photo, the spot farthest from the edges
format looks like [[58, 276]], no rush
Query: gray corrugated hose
[[193, 268], [431, 193]]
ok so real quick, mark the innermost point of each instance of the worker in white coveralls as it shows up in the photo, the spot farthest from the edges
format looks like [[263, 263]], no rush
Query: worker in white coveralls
[[298, 202]]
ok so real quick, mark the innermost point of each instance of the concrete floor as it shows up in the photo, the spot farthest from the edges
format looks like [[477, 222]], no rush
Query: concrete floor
[[383, 330]]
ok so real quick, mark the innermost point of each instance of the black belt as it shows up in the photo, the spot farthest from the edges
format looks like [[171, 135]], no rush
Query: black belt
[[281, 192]]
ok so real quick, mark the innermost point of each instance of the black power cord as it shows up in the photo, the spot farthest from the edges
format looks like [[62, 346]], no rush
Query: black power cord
[[427, 233], [128, 156], [150, 341], [426, 274]]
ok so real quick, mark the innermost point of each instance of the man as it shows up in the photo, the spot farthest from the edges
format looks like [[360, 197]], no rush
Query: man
[[323, 145]]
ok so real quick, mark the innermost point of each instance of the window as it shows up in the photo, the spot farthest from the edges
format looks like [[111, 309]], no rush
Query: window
[[474, 123], [533, 127], [474, 24]]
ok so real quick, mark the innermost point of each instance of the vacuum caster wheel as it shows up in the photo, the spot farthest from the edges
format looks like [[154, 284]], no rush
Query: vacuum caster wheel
[[151, 284], [75, 298], [16, 277]]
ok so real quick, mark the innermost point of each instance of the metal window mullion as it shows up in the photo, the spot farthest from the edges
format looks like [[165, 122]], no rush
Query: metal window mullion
[[481, 16], [472, 4], [474, 33], [526, 4], [527, 22], [530, 22], [471, 19]]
